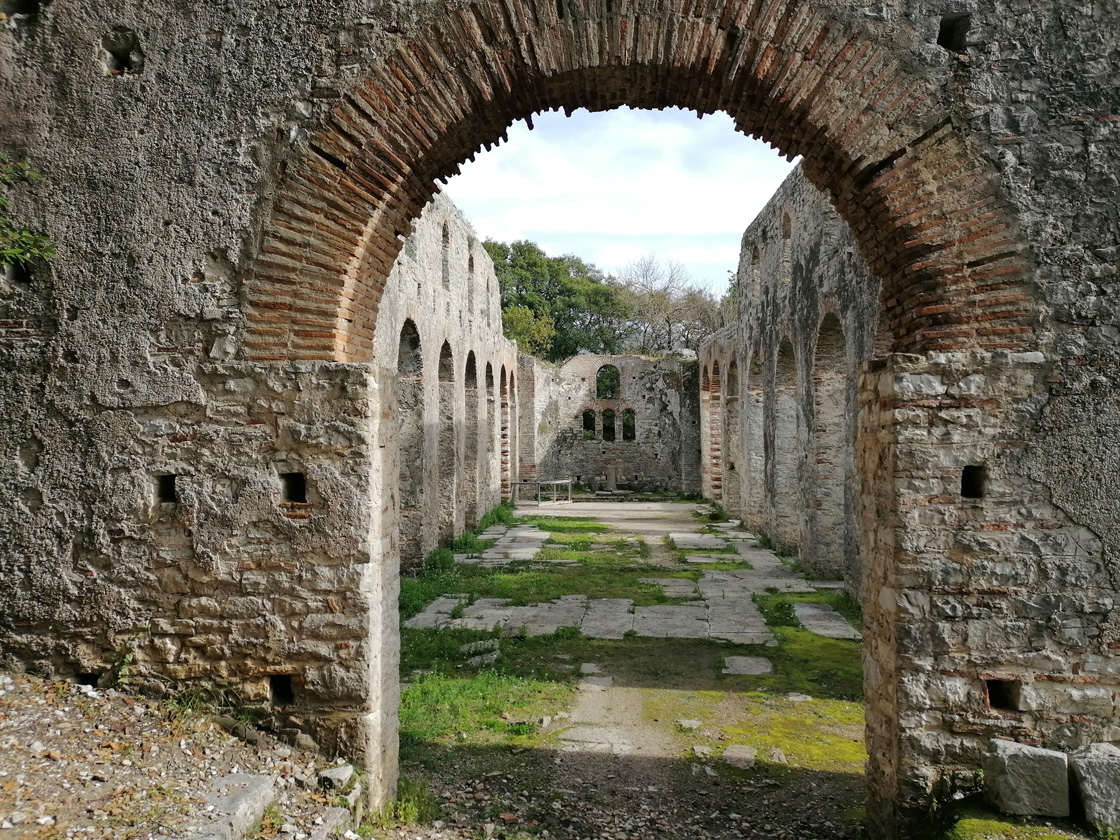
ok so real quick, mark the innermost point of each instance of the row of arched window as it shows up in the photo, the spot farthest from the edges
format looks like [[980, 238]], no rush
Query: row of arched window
[[609, 430]]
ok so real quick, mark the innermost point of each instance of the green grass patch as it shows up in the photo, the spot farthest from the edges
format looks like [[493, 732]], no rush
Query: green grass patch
[[777, 607], [529, 583], [501, 515], [807, 663], [976, 823], [566, 524], [477, 710], [776, 610], [437, 649], [468, 542], [821, 735]]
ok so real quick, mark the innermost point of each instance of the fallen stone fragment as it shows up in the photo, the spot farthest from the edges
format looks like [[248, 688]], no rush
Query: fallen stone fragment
[[1097, 771], [688, 724], [336, 778], [238, 801], [332, 820], [738, 755], [1021, 779], [702, 752]]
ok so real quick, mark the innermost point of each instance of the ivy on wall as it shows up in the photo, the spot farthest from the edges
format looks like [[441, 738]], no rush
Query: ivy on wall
[[19, 246]]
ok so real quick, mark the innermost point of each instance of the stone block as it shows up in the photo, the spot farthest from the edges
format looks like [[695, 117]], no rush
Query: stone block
[[1096, 770], [1021, 779]]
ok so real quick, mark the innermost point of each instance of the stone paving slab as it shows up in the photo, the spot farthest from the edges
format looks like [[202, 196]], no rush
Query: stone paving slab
[[608, 618], [671, 622], [748, 665], [825, 621], [687, 541], [725, 609], [674, 587]]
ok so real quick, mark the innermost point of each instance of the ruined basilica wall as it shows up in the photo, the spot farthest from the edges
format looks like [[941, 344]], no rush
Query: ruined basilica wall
[[781, 397], [1006, 601], [661, 393], [449, 439]]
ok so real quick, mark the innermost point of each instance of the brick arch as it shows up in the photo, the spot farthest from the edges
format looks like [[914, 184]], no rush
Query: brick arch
[[927, 211]]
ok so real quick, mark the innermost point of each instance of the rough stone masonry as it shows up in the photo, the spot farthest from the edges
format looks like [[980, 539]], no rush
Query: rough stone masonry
[[200, 451]]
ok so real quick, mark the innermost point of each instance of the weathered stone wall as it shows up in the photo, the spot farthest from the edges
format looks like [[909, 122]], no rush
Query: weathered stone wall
[[224, 529], [989, 608], [235, 182], [659, 451], [450, 432], [782, 391]]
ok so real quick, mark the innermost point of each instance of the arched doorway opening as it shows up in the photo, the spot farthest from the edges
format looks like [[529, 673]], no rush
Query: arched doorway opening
[[473, 428], [448, 452], [410, 447]]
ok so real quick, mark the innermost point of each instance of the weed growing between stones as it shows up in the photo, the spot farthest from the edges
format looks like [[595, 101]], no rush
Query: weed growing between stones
[[413, 804], [18, 245]]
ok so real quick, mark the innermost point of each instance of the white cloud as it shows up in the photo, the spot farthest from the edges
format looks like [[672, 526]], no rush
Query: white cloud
[[616, 185]]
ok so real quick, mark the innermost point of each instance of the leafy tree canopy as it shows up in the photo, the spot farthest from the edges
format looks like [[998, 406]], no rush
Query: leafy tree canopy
[[556, 307]]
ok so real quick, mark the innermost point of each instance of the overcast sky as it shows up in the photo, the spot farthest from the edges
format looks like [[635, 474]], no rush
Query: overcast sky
[[610, 187]]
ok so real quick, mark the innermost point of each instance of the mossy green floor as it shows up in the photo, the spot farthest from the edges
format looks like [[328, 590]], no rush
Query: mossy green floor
[[494, 713]]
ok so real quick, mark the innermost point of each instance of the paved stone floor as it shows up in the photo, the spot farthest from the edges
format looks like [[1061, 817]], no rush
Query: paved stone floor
[[721, 605]]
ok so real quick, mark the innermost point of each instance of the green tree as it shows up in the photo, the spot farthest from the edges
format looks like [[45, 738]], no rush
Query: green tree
[[533, 333], [584, 309], [18, 246]]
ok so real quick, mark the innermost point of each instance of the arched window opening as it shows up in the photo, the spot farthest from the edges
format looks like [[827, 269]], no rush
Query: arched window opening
[[504, 435], [608, 425], [589, 425], [787, 248], [833, 550], [754, 455], [733, 442], [608, 383], [471, 430], [787, 508], [629, 425], [446, 262]]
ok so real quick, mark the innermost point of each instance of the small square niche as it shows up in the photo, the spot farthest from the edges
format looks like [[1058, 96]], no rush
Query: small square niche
[[953, 32], [121, 54], [280, 690], [293, 487], [1004, 695], [167, 490], [973, 481]]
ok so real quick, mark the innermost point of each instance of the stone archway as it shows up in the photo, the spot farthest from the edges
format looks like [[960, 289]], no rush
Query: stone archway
[[924, 207]]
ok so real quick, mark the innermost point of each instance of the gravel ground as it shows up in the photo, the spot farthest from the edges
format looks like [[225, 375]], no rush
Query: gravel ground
[[76, 762], [82, 763], [604, 797]]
